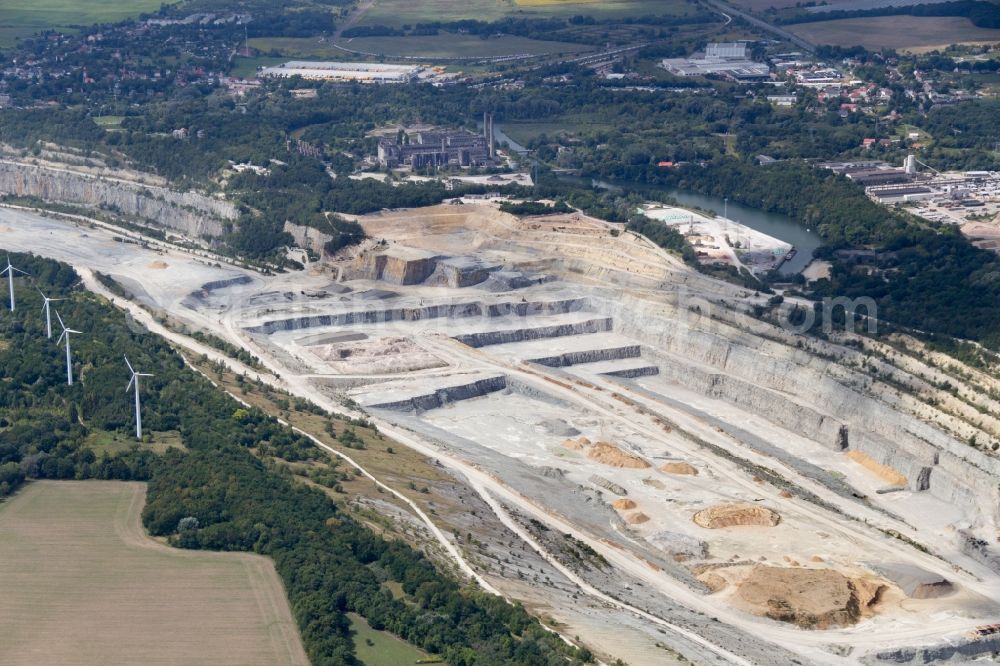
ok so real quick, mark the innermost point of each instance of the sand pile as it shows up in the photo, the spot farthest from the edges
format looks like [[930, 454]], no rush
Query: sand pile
[[714, 581], [578, 444], [159, 265], [886, 473], [808, 598], [679, 468], [624, 504], [735, 515], [609, 454], [637, 518]]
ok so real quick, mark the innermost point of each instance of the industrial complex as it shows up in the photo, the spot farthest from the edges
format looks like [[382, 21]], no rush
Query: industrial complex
[[728, 59], [362, 72], [440, 149]]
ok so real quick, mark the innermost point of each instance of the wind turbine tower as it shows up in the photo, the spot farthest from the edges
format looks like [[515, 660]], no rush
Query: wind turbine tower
[[69, 357], [138, 410], [10, 280], [48, 313]]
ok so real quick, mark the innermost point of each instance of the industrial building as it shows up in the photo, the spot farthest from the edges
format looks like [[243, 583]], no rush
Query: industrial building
[[441, 149], [363, 72], [728, 59], [730, 50]]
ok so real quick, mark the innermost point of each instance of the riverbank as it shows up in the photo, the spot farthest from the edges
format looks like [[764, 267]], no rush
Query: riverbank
[[718, 240]]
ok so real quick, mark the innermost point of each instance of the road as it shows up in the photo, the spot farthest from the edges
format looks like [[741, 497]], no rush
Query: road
[[729, 10]]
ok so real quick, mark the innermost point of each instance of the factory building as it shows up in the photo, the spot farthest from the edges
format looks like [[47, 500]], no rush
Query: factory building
[[728, 59], [362, 72], [441, 149], [869, 177], [731, 50]]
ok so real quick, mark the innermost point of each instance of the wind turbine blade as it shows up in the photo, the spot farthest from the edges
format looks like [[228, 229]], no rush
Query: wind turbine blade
[[61, 336], [20, 271], [70, 330], [130, 383], [60, 321], [130, 369], [144, 374]]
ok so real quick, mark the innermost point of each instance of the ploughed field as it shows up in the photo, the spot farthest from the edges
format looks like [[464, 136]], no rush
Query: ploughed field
[[84, 585]]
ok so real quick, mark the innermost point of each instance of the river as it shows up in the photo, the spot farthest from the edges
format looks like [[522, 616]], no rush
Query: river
[[776, 225]]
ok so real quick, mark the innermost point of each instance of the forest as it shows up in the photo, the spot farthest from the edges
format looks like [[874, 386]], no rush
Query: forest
[[226, 487]]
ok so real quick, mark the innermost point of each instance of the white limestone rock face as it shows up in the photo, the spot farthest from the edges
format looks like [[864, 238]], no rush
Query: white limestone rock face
[[187, 213], [827, 402]]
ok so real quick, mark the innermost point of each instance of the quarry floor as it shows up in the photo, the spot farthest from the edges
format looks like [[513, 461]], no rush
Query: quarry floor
[[500, 394]]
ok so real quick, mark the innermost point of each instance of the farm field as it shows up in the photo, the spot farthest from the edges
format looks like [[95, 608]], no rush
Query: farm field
[[380, 648], [400, 12], [828, 5], [84, 585], [895, 32], [20, 19], [459, 46], [442, 46]]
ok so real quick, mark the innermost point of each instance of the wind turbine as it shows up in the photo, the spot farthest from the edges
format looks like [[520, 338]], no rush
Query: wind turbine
[[138, 411], [10, 280], [69, 358], [48, 312]]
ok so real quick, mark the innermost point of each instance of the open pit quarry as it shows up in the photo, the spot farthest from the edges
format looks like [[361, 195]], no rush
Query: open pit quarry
[[750, 495]]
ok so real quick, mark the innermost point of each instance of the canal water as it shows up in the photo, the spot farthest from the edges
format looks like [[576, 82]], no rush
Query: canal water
[[805, 241]]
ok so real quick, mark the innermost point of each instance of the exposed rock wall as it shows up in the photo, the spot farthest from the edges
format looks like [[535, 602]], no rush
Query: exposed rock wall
[[956, 652], [187, 213], [487, 338], [634, 373], [443, 396], [589, 356], [777, 407], [467, 309], [912, 460], [307, 237], [763, 375]]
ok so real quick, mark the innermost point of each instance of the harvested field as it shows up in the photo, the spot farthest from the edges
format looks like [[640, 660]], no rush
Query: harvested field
[[895, 32], [84, 585], [736, 515]]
